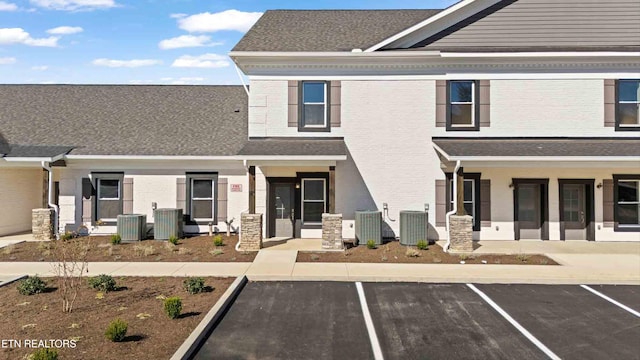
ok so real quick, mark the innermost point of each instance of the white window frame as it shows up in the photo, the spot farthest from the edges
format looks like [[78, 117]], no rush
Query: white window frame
[[324, 113], [472, 103], [212, 198], [473, 196], [100, 198], [620, 102], [323, 201], [637, 202]]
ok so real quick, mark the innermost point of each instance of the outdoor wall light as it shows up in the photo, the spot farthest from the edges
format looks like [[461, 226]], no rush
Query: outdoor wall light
[[599, 186], [510, 185], [297, 186]]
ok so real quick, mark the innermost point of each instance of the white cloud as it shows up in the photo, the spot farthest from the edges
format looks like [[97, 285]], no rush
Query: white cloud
[[183, 80], [225, 20], [7, 60], [10, 36], [178, 16], [5, 6], [202, 61], [65, 30], [125, 63], [186, 41], [39, 68], [74, 5], [140, 82]]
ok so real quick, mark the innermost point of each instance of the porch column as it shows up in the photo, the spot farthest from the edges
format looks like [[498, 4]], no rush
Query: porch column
[[460, 192], [45, 189], [252, 189], [332, 189]]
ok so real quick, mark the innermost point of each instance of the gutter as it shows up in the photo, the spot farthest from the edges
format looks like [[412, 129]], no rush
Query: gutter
[[56, 210]]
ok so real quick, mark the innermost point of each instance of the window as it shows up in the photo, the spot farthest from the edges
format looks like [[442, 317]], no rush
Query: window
[[627, 201], [462, 105], [313, 200], [471, 196], [201, 197], [628, 102], [108, 204], [314, 114]]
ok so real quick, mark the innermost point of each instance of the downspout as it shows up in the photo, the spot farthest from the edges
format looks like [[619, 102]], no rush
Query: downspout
[[56, 210], [455, 205]]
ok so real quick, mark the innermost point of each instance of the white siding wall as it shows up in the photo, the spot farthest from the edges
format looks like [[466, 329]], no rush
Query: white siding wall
[[20, 192]]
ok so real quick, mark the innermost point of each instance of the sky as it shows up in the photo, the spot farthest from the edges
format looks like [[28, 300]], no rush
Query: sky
[[139, 41]]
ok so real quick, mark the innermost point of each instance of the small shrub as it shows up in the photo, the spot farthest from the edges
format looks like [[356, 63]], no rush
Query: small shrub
[[173, 307], [31, 286], [194, 285], [7, 250], [141, 250], [422, 245], [464, 257], [371, 244], [117, 330], [218, 241], [103, 283], [116, 239], [173, 240], [216, 252], [522, 257], [170, 247], [411, 252], [67, 236], [44, 354]]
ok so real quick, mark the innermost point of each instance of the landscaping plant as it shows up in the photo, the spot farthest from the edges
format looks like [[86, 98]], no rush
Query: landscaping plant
[[194, 285], [103, 283], [422, 245], [69, 262], [44, 354], [411, 252], [371, 244], [67, 236], [173, 239], [116, 239], [117, 330], [31, 286], [173, 307], [217, 240]]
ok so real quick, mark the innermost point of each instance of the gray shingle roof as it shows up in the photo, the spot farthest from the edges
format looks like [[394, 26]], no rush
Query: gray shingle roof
[[37, 151], [539, 147], [126, 120], [327, 30], [327, 147]]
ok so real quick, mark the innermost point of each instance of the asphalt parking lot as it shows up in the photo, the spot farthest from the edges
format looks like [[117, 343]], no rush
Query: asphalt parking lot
[[342, 320]]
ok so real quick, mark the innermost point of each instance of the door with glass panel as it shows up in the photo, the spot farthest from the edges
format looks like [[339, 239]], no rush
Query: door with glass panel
[[282, 212], [574, 211]]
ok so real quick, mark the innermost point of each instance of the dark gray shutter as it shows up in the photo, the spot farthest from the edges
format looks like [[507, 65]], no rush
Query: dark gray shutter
[[127, 196], [335, 103], [88, 197], [609, 103], [441, 202], [222, 200], [607, 203], [485, 203], [485, 103], [441, 103], [181, 194], [292, 119]]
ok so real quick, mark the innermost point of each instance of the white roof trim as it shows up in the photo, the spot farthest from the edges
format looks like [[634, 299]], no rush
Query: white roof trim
[[441, 15], [208, 158]]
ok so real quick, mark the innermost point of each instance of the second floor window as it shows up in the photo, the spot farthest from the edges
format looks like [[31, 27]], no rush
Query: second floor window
[[314, 106], [628, 102], [461, 105]]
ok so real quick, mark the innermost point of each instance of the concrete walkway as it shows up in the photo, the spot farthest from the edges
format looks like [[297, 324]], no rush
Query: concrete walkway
[[581, 263]]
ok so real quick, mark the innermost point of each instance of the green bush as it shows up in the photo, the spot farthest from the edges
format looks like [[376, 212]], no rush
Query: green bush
[[103, 283], [173, 307], [31, 286], [116, 239], [44, 354], [194, 285], [173, 239], [67, 236], [371, 244], [117, 330], [217, 240], [422, 245]]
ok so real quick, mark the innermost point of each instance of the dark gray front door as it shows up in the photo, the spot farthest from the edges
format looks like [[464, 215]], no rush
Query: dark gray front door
[[283, 207], [529, 211], [574, 211]]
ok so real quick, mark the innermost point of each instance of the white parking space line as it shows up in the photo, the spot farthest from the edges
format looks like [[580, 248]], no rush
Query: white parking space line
[[375, 344], [614, 302], [513, 322]]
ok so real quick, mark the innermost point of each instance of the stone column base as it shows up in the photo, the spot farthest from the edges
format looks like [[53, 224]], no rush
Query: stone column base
[[332, 231], [250, 232], [461, 234], [42, 224]]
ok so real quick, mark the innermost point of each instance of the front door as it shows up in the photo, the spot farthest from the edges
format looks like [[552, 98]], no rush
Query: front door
[[576, 197], [530, 209], [282, 209]]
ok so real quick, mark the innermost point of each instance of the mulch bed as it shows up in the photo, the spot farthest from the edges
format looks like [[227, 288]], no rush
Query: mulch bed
[[393, 252], [40, 317], [195, 249]]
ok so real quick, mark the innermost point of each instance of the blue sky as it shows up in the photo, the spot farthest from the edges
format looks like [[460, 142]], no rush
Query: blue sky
[[141, 41]]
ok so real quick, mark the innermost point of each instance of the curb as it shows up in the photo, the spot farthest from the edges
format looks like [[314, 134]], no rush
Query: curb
[[195, 340], [13, 280]]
